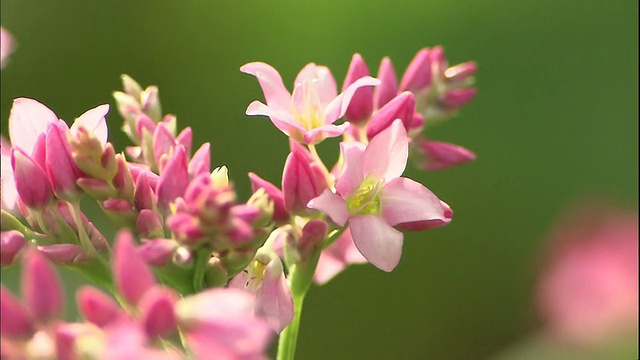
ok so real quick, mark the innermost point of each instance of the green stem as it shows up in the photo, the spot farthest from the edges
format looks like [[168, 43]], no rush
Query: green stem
[[202, 259], [289, 336]]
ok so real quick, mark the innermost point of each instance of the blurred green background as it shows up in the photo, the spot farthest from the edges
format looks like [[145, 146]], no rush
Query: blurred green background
[[555, 121]]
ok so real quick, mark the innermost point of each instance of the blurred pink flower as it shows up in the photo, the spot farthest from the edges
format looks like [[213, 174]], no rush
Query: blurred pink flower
[[7, 45], [588, 290]]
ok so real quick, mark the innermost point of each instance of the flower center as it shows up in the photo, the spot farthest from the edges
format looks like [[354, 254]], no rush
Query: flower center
[[365, 200], [307, 108]]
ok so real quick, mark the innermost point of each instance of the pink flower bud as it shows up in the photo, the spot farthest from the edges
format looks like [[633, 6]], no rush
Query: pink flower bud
[[388, 88], [457, 98], [41, 288], [15, 322], [144, 126], [361, 105], [151, 103], [131, 87], [10, 244], [185, 227], [174, 179], [61, 168], [96, 306], [143, 195], [149, 224], [158, 317], [437, 155], [126, 264], [280, 213], [418, 75], [157, 252], [63, 253], [401, 107], [32, 183], [201, 161], [163, 145], [461, 72], [185, 138], [301, 180], [123, 181]]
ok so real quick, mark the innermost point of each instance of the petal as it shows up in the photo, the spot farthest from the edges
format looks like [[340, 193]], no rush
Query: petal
[[331, 204], [96, 306], [351, 176], [275, 93], [338, 106], [284, 121], [174, 178], [403, 200], [131, 275], [273, 299], [322, 79], [337, 257], [27, 120], [377, 241], [400, 107], [361, 105], [42, 289], [386, 155], [418, 74], [280, 212], [388, 88], [94, 121], [318, 134]]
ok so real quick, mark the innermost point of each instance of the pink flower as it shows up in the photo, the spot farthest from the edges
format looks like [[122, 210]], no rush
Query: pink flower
[[308, 115], [588, 291], [6, 46], [373, 198]]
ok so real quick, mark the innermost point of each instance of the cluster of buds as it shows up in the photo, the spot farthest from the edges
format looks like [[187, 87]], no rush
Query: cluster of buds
[[181, 222]]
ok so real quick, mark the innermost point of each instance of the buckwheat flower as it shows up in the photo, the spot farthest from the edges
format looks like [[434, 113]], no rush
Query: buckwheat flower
[[7, 45], [308, 114], [372, 196]]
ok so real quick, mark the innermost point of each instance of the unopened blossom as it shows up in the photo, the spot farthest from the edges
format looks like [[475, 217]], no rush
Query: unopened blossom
[[373, 197], [588, 290], [308, 114], [7, 45]]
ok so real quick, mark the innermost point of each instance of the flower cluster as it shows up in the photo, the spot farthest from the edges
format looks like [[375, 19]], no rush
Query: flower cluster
[[233, 273]]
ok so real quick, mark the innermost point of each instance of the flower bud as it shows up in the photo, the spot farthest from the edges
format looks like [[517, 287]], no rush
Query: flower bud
[[401, 107], [32, 183], [388, 88], [361, 105], [280, 213], [10, 244], [41, 288]]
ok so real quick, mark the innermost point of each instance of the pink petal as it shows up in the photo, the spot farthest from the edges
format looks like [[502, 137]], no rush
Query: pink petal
[[131, 275], [318, 134], [352, 175], [15, 322], [401, 107], [174, 178], [61, 168], [158, 317], [10, 243], [386, 155], [331, 204], [388, 88], [275, 93], [338, 106], [322, 80], [94, 121], [96, 306], [273, 299], [41, 288], [280, 212], [377, 241], [31, 181], [284, 121], [201, 161], [7, 45], [9, 194], [27, 120], [403, 200], [337, 257]]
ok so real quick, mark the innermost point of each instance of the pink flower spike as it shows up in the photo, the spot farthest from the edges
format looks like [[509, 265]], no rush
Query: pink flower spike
[[31, 181], [41, 288], [361, 105], [273, 299], [7, 45], [15, 322], [61, 168], [127, 262], [388, 88], [438, 155], [174, 179], [10, 244], [27, 120], [280, 213], [158, 317], [93, 120], [401, 107], [418, 75], [200, 163], [96, 306]]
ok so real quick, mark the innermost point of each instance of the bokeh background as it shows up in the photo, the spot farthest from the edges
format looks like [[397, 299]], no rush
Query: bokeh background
[[555, 121]]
